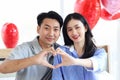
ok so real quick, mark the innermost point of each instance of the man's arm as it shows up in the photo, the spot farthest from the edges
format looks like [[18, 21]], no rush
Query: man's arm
[[9, 66]]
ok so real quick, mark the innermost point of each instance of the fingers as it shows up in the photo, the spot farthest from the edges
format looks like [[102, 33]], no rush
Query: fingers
[[47, 64], [53, 51], [57, 66], [49, 51], [51, 66], [59, 51]]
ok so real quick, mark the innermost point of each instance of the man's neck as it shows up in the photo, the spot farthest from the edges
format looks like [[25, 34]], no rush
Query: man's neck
[[43, 45]]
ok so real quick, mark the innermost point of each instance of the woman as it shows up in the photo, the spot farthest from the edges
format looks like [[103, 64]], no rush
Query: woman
[[79, 59]]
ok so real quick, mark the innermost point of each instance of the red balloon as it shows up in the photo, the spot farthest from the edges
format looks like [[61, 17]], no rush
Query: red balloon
[[107, 16], [10, 35], [111, 6], [90, 9]]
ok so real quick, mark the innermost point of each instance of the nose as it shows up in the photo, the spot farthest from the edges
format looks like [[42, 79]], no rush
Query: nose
[[74, 31], [51, 32]]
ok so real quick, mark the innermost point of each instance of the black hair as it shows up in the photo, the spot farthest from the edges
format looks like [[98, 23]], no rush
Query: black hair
[[50, 14], [89, 46]]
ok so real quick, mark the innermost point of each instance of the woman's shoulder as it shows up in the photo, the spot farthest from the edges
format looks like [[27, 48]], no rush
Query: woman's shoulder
[[100, 51]]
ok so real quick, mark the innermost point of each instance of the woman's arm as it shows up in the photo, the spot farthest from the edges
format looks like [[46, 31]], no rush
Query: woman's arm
[[68, 60], [97, 61]]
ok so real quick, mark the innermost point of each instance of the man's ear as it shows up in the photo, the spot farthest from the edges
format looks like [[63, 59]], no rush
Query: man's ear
[[38, 29]]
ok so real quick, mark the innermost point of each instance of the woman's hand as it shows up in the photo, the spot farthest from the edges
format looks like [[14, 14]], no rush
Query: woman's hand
[[67, 60]]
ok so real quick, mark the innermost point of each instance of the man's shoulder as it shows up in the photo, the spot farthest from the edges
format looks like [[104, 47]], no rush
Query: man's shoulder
[[26, 44]]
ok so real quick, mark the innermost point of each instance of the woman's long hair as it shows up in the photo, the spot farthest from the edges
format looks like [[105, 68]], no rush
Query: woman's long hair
[[90, 47]]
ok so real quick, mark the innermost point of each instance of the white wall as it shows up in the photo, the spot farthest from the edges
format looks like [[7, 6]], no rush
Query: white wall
[[23, 13], [105, 32], [118, 50]]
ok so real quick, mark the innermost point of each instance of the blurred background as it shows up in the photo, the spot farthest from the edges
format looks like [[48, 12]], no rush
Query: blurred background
[[23, 14]]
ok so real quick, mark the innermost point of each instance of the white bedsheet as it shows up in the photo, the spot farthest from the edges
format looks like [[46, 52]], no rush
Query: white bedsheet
[[8, 78], [104, 76]]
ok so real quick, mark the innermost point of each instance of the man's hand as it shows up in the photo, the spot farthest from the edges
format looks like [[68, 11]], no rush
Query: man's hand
[[41, 57]]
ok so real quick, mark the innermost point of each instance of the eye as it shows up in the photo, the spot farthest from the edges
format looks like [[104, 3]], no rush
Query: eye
[[69, 29], [56, 29], [77, 27], [46, 28]]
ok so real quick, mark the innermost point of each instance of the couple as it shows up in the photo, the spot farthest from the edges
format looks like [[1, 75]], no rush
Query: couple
[[78, 59]]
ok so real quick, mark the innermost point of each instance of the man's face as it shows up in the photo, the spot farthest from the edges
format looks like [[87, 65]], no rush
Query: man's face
[[49, 31]]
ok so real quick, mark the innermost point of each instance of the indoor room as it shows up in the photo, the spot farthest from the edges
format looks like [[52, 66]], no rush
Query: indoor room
[[104, 26]]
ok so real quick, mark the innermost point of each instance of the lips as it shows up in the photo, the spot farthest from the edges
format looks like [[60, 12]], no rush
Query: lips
[[75, 37], [50, 39]]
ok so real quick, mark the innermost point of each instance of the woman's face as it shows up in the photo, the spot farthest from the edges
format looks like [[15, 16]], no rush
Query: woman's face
[[76, 30]]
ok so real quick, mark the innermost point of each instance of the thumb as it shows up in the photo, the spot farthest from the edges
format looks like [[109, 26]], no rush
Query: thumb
[[58, 65], [51, 66]]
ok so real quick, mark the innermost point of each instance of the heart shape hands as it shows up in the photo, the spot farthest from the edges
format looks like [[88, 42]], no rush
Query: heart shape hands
[[41, 58]]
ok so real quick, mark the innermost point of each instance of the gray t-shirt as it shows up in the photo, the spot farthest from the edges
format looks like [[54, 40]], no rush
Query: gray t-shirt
[[25, 50]]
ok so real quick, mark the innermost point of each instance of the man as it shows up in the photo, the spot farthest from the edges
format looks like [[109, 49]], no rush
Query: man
[[31, 59]]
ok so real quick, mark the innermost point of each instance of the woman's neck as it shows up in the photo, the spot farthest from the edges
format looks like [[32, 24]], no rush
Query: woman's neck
[[79, 47]]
